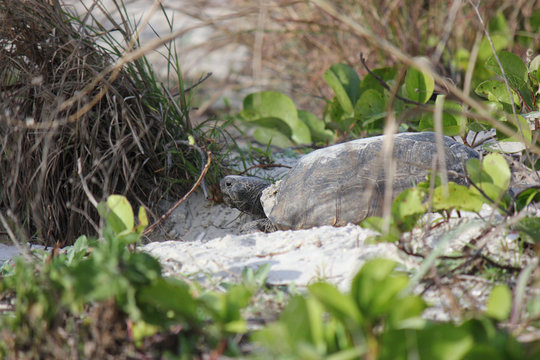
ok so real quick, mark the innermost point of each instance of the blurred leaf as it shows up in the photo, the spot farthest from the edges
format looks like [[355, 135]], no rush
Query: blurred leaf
[[345, 83], [118, 213], [529, 227], [499, 303], [525, 197], [453, 123], [316, 126], [303, 320], [376, 223], [272, 104], [266, 136], [338, 304], [369, 82], [445, 342], [516, 73], [496, 167], [459, 197], [499, 41], [143, 220], [523, 129], [369, 108], [407, 208], [495, 90], [418, 85]]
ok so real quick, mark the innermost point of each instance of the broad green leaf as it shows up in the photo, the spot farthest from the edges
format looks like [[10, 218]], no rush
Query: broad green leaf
[[523, 129], [445, 341], [272, 104], [495, 90], [406, 308], [499, 303], [418, 85], [270, 136], [366, 283], [143, 220], [474, 170], [345, 83], [335, 302], [459, 197], [118, 213], [496, 167], [515, 70], [385, 295], [370, 107], [316, 126], [166, 297], [485, 51], [407, 208], [334, 113], [272, 123], [304, 321], [453, 122], [369, 82]]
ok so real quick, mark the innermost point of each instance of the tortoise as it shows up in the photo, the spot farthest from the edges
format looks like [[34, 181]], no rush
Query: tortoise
[[343, 183]]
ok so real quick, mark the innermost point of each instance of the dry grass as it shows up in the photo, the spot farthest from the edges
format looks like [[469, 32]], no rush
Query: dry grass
[[292, 42], [64, 126]]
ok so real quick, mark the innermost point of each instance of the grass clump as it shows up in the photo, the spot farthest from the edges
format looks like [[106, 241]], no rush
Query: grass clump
[[82, 116]]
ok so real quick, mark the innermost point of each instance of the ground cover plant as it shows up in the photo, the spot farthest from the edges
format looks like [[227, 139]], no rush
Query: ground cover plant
[[76, 128]]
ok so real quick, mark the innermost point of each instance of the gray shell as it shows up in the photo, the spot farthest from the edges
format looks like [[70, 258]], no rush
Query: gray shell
[[345, 183]]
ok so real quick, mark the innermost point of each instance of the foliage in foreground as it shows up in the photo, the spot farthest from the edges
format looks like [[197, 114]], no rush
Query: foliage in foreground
[[99, 299]]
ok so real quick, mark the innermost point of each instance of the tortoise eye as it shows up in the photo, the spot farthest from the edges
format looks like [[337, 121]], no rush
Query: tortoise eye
[[228, 183]]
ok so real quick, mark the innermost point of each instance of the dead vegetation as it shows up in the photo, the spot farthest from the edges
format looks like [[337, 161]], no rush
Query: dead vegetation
[[74, 126]]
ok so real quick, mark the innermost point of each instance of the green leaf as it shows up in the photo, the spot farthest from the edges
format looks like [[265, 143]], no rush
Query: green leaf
[[165, 300], [445, 342], [376, 223], [316, 126], [418, 85], [525, 197], [516, 73], [495, 90], [387, 75], [272, 104], [496, 167], [373, 286], [407, 208], [118, 213], [407, 308], [529, 228], [369, 108], [459, 197], [345, 83], [272, 123], [500, 42], [304, 322], [338, 304], [143, 220], [270, 136], [499, 303], [453, 122], [523, 129]]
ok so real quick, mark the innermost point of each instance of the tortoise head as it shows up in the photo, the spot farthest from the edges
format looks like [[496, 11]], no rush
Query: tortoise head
[[243, 193]]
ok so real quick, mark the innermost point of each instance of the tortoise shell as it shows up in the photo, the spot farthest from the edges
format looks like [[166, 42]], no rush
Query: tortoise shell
[[345, 183]]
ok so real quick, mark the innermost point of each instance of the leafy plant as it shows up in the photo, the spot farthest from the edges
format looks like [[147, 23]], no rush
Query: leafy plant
[[380, 319], [490, 180], [60, 291]]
